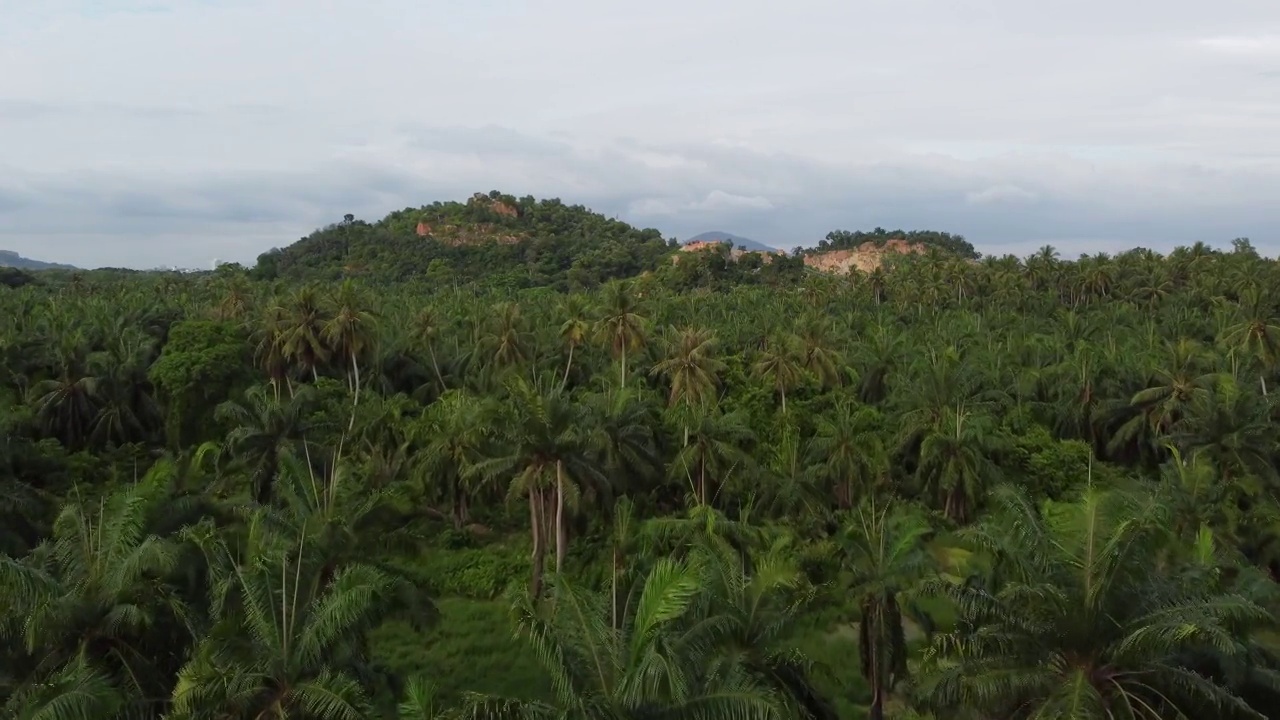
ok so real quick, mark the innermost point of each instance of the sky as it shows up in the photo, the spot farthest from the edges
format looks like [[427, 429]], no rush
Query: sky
[[146, 133]]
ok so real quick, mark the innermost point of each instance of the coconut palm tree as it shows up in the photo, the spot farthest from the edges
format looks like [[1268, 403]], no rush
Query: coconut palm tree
[[621, 326], [544, 454]]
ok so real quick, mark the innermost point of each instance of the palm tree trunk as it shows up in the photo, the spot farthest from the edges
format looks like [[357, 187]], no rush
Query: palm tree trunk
[[436, 366], [702, 481], [535, 524], [355, 371], [561, 538], [613, 591], [876, 662], [1262, 378], [783, 390], [624, 366], [565, 382]]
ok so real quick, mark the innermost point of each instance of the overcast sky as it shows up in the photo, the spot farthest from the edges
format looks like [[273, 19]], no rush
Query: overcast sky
[[154, 132]]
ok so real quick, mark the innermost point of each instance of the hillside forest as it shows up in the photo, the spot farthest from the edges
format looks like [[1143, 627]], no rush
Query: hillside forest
[[543, 477]]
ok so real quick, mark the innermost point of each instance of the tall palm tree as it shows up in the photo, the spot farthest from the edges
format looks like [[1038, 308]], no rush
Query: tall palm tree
[[544, 454], [1258, 335], [573, 331], [350, 334], [713, 451], [777, 363], [621, 326], [301, 333], [691, 368]]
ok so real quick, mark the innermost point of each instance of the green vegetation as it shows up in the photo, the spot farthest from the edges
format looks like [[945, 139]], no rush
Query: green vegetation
[[946, 242], [618, 488], [494, 239]]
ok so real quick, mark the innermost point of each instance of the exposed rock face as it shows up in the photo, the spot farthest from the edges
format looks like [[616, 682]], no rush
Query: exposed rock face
[[497, 206], [865, 258], [466, 235], [717, 246]]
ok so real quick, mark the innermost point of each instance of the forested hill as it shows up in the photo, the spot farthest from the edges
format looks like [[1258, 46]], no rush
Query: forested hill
[[9, 258], [852, 240], [494, 238]]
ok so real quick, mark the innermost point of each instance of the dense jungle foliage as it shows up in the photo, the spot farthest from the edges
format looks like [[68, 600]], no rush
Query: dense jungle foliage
[[1004, 489]]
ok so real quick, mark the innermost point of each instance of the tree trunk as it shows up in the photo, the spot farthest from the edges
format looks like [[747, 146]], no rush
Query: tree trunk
[[561, 538], [783, 390], [535, 523], [565, 382], [613, 590], [355, 402], [1263, 379], [624, 366], [877, 665], [436, 366], [702, 482]]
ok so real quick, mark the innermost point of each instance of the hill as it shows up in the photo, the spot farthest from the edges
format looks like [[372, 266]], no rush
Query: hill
[[492, 237], [879, 237], [736, 240], [8, 258], [843, 251]]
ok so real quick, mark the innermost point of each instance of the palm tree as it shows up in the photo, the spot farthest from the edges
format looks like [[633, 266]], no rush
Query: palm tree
[[621, 327], [573, 332], [713, 450], [301, 333], [426, 331], [93, 613], [349, 334], [849, 452], [263, 430], [452, 436], [777, 363], [1078, 624], [284, 642], [691, 368], [884, 547], [668, 656], [544, 454], [955, 464], [1258, 335]]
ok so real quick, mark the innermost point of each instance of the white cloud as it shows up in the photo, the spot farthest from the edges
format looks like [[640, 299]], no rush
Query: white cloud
[[172, 131]]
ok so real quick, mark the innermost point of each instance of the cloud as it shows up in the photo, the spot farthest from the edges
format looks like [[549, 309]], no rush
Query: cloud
[[998, 194], [1258, 45], [174, 131]]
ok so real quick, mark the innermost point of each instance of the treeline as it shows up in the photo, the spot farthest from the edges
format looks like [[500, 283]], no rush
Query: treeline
[[1009, 488], [850, 240]]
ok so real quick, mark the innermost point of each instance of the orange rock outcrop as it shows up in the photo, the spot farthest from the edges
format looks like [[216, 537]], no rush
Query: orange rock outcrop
[[866, 257]]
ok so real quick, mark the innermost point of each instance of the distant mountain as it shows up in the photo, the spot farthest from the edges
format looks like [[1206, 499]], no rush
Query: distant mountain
[[8, 258], [737, 240]]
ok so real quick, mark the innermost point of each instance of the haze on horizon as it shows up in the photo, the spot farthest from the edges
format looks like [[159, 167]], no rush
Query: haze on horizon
[[145, 133]]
